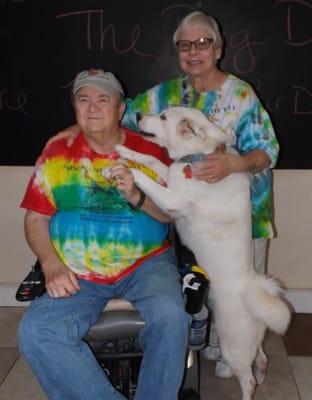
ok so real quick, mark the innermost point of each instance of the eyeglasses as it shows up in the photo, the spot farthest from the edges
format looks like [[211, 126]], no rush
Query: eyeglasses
[[202, 43]]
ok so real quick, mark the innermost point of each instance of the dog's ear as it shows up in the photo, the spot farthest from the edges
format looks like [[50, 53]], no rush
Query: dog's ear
[[188, 129], [214, 133]]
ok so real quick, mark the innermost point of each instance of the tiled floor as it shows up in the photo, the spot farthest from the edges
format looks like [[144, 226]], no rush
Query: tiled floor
[[278, 385], [288, 376]]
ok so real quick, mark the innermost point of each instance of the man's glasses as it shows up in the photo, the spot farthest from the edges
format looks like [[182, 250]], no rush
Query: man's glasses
[[202, 43]]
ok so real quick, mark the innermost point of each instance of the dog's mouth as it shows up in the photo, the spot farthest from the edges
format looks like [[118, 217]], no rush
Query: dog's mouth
[[147, 134]]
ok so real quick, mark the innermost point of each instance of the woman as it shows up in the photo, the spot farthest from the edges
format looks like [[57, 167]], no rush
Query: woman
[[232, 105]]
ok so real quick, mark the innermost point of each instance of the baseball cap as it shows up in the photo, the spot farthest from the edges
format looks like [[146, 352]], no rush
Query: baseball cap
[[104, 81]]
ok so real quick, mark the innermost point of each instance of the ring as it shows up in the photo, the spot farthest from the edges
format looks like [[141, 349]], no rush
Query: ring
[[211, 176], [120, 179]]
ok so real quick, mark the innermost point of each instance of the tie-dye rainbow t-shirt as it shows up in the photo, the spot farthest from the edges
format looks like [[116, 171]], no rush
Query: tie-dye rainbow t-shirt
[[93, 229]]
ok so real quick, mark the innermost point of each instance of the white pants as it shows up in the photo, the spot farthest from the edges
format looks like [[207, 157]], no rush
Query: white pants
[[260, 254]]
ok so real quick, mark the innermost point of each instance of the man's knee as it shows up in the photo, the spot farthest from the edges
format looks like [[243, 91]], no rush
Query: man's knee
[[171, 316]]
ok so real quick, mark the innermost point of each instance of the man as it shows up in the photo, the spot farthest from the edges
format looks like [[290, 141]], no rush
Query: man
[[97, 239]]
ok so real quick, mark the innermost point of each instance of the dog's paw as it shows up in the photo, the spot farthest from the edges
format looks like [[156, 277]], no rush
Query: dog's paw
[[106, 173]]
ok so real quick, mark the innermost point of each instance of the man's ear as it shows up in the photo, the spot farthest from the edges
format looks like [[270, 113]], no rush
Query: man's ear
[[188, 129], [122, 109]]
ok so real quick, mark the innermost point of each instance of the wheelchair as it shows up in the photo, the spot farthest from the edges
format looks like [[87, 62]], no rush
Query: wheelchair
[[114, 341], [114, 337]]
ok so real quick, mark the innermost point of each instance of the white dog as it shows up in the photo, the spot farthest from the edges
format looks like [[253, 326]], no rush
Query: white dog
[[214, 221]]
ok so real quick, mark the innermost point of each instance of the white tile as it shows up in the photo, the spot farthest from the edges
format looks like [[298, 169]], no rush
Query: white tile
[[302, 370], [9, 319], [279, 383], [21, 384], [7, 359]]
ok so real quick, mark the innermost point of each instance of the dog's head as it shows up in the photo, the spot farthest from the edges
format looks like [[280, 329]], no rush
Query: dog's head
[[183, 131]]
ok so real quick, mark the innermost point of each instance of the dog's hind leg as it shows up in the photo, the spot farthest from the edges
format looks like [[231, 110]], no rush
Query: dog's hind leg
[[248, 385], [241, 363], [261, 364]]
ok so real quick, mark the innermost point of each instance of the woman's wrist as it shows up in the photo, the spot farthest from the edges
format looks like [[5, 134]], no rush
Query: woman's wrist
[[239, 163]]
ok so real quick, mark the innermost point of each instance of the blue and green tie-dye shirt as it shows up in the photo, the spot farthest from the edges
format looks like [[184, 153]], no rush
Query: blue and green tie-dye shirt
[[236, 109]]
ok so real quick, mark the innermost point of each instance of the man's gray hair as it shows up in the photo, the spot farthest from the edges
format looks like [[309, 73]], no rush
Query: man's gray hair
[[198, 19]]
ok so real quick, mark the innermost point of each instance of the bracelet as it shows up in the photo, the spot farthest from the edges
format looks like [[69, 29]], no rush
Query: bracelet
[[140, 202]]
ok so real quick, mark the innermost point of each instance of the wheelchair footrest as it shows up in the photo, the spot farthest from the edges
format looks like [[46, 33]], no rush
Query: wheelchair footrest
[[120, 359], [123, 374]]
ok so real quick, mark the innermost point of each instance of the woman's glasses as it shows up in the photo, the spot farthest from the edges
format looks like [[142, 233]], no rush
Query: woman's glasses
[[202, 43]]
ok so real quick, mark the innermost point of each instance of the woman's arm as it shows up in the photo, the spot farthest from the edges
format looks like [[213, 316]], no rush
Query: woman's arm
[[218, 166], [69, 134]]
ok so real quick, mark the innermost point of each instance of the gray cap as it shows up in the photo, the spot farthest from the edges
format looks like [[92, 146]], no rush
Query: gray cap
[[104, 81]]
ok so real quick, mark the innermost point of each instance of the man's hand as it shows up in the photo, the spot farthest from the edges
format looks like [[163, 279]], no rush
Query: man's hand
[[125, 182], [60, 280]]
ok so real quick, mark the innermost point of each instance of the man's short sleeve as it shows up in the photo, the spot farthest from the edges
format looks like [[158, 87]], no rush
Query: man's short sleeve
[[38, 196]]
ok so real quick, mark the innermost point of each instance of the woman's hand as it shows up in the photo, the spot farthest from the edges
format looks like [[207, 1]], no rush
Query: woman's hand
[[69, 134], [219, 165], [216, 167]]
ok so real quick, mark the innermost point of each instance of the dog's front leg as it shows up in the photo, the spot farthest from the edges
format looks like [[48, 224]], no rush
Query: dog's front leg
[[163, 197], [146, 159]]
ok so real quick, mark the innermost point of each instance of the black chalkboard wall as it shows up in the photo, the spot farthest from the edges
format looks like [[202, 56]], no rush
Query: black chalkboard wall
[[44, 43]]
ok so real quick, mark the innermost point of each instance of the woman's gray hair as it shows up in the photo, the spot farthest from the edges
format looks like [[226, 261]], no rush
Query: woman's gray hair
[[198, 19]]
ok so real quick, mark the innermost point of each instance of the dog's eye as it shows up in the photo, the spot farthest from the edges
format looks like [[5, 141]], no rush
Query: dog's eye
[[163, 117]]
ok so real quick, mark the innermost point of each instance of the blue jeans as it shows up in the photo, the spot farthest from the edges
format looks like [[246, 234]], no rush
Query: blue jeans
[[51, 333]]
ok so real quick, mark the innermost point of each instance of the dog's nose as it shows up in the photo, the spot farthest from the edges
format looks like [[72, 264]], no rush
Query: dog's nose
[[138, 117]]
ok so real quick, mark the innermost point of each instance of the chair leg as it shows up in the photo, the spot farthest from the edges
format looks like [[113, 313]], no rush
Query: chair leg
[[191, 384]]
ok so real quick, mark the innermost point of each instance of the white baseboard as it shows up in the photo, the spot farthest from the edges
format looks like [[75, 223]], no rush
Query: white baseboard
[[7, 296], [301, 299]]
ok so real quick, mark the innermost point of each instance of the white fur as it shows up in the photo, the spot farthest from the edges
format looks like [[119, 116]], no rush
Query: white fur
[[214, 221]]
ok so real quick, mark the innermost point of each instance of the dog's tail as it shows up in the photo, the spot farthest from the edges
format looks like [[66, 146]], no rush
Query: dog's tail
[[263, 299]]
